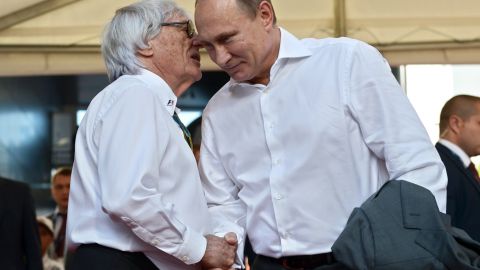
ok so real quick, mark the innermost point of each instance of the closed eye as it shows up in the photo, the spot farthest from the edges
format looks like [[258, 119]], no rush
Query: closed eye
[[225, 40], [226, 37]]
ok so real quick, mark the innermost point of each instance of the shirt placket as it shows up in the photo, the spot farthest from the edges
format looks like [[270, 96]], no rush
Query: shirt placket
[[278, 193]]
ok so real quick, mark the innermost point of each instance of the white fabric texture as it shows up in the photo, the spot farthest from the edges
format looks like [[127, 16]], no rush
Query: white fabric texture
[[135, 183], [290, 160]]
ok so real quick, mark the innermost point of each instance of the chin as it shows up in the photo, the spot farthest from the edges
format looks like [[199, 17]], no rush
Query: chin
[[195, 73], [240, 78], [240, 75], [197, 76]]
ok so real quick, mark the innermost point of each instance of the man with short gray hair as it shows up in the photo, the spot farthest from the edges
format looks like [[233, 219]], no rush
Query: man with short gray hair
[[136, 200], [305, 131]]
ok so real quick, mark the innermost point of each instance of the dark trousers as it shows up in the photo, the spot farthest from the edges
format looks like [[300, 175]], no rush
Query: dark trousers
[[263, 263], [97, 257]]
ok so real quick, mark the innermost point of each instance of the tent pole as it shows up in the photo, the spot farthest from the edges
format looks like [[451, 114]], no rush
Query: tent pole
[[32, 11], [340, 18]]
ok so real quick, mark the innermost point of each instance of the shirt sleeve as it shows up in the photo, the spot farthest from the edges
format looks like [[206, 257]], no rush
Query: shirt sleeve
[[390, 125], [227, 211], [132, 140]]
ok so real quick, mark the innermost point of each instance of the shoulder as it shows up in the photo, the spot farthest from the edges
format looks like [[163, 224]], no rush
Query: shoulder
[[341, 41], [128, 86], [447, 156], [14, 192], [124, 94], [335, 44], [8, 184], [342, 51]]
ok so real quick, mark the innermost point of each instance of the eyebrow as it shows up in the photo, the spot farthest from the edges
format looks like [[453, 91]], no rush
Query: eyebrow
[[224, 36]]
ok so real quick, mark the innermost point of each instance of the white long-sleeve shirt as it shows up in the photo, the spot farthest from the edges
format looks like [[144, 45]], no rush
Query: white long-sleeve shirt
[[135, 184], [290, 160]]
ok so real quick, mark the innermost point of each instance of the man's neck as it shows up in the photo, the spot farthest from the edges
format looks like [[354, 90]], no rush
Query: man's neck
[[62, 211]]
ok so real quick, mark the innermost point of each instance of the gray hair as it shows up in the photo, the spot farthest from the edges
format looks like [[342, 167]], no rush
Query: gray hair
[[251, 7], [130, 30]]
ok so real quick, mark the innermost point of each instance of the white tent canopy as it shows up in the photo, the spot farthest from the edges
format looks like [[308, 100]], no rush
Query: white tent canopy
[[63, 36]]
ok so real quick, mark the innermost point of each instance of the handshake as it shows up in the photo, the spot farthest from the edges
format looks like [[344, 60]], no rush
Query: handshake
[[220, 252]]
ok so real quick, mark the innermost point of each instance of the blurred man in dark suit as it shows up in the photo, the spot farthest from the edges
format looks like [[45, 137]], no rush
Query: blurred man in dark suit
[[460, 140], [20, 248], [60, 188]]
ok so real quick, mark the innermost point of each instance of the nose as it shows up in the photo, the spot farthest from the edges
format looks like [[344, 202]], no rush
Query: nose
[[195, 41], [194, 38], [221, 56]]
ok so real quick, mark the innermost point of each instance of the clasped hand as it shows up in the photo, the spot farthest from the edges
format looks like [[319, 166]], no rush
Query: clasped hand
[[220, 252]]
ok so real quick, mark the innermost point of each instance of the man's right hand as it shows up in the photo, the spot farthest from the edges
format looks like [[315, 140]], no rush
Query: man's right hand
[[220, 252]]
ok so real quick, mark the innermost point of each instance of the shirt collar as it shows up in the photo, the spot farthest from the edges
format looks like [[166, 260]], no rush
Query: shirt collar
[[457, 151], [161, 88], [290, 47], [56, 212]]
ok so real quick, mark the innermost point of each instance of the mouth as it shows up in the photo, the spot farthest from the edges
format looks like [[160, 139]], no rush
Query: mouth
[[230, 68], [195, 56]]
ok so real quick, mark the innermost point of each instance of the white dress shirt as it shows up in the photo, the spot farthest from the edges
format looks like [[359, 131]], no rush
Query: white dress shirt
[[135, 184], [290, 160], [52, 264], [457, 151]]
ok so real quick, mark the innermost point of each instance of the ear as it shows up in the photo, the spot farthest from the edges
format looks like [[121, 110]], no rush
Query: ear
[[265, 10], [146, 52], [455, 124]]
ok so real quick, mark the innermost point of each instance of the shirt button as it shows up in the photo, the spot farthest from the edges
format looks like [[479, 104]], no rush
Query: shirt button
[[278, 196], [276, 161], [154, 242], [185, 258]]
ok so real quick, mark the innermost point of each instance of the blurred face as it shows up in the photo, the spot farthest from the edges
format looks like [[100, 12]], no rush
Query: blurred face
[[46, 237], [469, 135], [60, 190], [174, 56], [236, 42]]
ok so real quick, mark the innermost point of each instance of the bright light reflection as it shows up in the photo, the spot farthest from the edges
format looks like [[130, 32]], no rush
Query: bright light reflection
[[430, 86]]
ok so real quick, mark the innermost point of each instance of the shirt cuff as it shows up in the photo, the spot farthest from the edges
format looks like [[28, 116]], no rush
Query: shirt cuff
[[193, 248]]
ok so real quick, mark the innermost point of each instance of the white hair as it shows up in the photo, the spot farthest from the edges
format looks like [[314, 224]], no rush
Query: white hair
[[130, 30]]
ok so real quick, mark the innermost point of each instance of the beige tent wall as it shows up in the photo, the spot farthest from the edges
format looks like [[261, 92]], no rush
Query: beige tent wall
[[63, 36]]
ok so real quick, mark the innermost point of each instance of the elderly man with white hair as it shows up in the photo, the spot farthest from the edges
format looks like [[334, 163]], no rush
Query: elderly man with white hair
[[136, 200]]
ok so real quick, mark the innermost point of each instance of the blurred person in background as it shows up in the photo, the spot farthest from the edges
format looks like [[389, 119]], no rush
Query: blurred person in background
[[60, 189], [45, 228], [459, 141], [20, 241]]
